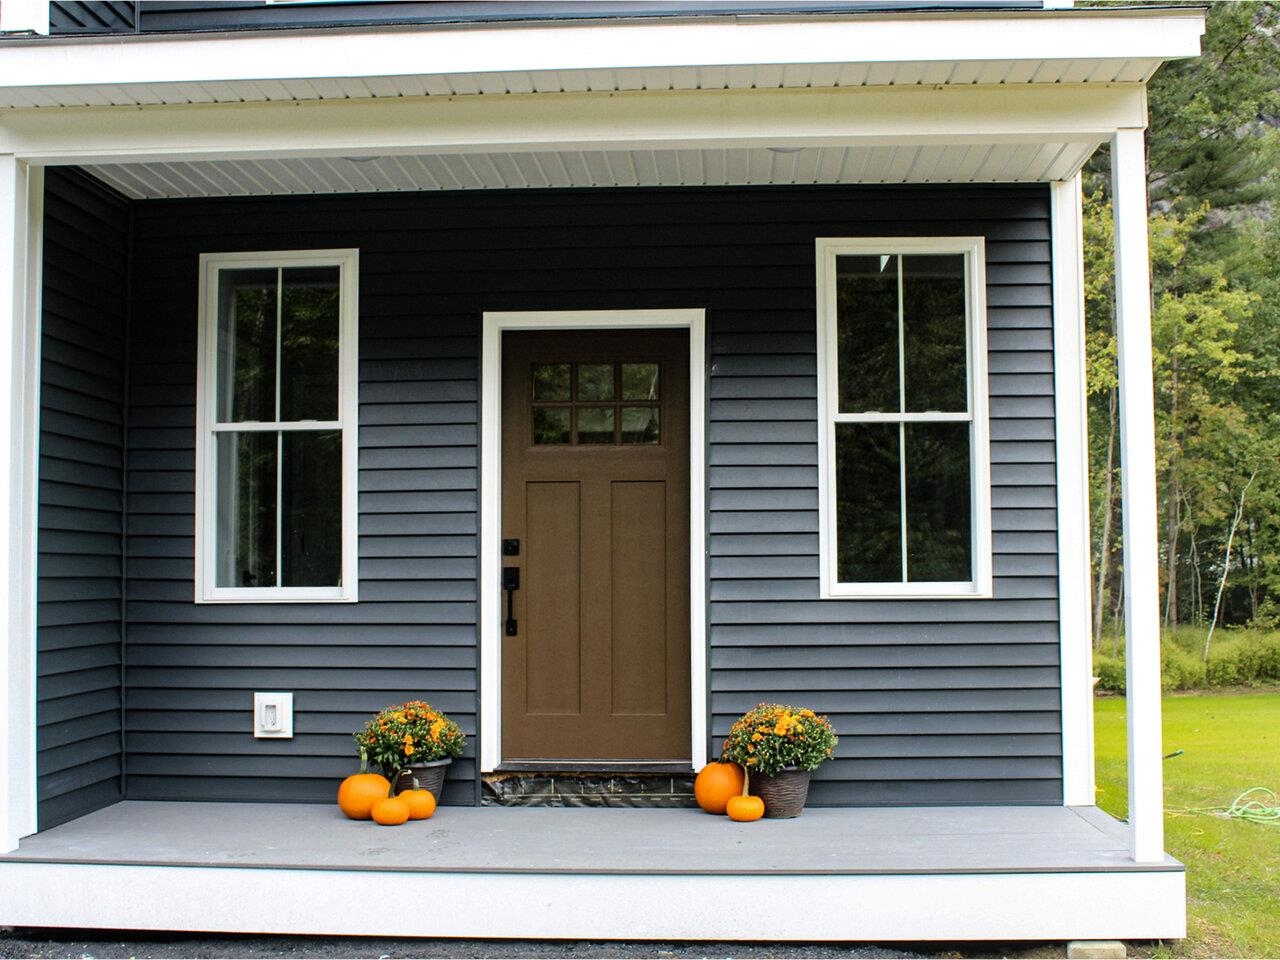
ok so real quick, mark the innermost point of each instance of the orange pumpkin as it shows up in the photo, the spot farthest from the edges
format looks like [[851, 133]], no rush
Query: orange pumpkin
[[358, 793], [745, 809], [390, 811], [422, 803], [715, 784]]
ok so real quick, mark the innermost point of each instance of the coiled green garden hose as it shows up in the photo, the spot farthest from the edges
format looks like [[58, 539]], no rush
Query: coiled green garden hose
[[1257, 804]]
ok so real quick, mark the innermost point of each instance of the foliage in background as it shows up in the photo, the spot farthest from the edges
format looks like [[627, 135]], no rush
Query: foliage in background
[[1213, 153], [1239, 658]]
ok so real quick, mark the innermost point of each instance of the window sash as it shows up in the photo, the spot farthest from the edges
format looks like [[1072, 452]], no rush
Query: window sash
[[980, 554], [212, 405]]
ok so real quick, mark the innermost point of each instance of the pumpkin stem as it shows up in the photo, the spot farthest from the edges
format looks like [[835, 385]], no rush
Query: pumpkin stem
[[364, 761], [746, 780]]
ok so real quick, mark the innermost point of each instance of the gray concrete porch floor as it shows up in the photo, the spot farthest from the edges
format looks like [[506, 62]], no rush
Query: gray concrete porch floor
[[877, 840]]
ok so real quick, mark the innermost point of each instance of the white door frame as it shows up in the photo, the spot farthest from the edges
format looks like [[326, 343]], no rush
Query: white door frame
[[494, 325]]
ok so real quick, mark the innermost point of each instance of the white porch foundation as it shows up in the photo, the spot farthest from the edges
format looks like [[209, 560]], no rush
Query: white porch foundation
[[865, 874]]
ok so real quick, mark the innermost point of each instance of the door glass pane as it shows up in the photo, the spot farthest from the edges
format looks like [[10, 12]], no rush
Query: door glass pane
[[933, 323], [938, 502], [550, 424], [867, 333], [309, 344], [551, 381], [246, 517], [639, 381], [246, 345], [595, 424], [868, 503], [640, 425], [595, 381], [311, 509]]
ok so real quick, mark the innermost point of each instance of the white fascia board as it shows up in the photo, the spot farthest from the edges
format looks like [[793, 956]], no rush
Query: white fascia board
[[1130, 905], [690, 119], [617, 44]]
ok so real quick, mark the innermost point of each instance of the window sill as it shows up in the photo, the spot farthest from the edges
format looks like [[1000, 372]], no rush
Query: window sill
[[913, 591], [267, 595]]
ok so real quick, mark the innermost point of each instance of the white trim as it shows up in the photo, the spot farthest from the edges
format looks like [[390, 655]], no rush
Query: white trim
[[1072, 459], [974, 251], [207, 426], [590, 46], [495, 322], [24, 15], [1133, 905], [644, 120], [21, 244], [1138, 494]]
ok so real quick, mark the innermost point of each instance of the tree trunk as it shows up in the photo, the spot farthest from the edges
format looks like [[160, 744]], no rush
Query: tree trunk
[[1108, 511], [1226, 564], [1171, 504]]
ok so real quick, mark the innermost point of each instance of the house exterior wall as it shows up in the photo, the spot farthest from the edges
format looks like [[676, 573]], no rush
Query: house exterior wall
[[936, 701], [81, 536], [183, 16]]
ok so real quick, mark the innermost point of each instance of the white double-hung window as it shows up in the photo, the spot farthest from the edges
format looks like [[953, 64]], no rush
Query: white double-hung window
[[903, 442], [276, 424]]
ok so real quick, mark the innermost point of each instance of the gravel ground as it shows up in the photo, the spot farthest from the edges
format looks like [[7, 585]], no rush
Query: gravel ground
[[106, 945]]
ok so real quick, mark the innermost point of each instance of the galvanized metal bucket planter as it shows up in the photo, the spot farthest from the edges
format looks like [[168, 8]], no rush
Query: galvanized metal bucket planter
[[784, 794], [423, 776]]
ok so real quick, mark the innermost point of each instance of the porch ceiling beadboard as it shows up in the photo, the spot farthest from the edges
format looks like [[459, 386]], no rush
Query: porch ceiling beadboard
[[905, 163]]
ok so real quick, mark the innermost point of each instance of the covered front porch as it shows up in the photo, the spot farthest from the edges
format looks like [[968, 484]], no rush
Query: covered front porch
[[910, 873]]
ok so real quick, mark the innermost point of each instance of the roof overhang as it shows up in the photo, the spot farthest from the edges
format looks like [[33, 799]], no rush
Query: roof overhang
[[978, 96]]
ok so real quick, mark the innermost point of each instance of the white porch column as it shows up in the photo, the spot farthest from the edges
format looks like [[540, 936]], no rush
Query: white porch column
[[21, 197], [1074, 625], [25, 15], [1137, 457]]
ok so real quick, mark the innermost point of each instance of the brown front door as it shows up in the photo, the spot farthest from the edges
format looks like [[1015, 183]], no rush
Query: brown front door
[[595, 487]]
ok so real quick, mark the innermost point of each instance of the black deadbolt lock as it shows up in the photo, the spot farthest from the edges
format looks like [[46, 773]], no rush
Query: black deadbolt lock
[[511, 548]]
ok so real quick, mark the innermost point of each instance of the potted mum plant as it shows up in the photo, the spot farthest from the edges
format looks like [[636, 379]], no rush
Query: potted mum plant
[[413, 743], [779, 746]]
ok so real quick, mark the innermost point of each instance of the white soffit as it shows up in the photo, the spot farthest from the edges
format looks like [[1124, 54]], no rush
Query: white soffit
[[411, 70], [960, 163], [745, 52]]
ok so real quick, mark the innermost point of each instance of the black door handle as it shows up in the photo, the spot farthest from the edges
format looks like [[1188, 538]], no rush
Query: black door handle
[[510, 583]]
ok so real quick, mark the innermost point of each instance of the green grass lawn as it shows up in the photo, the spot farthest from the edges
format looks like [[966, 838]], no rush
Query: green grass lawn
[[1231, 742]]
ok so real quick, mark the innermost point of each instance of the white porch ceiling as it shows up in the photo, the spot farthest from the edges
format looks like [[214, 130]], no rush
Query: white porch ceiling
[[962, 163], [416, 109], [714, 77]]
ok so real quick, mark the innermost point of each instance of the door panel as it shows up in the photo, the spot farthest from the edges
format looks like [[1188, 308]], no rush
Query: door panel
[[596, 489]]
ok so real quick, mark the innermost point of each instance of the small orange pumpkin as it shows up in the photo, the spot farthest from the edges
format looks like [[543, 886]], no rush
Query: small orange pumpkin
[[744, 808], [390, 811], [422, 803], [715, 784], [359, 792]]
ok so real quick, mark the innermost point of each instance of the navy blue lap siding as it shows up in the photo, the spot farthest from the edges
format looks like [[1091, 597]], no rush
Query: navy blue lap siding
[[81, 498], [935, 702]]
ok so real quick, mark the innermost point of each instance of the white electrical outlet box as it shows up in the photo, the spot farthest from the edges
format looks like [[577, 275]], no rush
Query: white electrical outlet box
[[273, 715]]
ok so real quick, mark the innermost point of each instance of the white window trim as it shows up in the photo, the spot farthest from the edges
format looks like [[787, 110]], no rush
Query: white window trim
[[974, 251], [347, 261]]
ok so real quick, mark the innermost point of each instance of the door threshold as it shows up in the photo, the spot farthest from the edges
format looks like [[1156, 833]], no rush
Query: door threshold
[[572, 767]]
